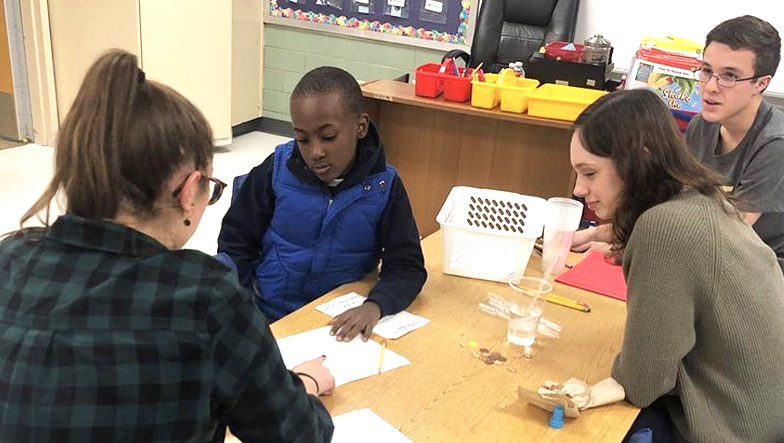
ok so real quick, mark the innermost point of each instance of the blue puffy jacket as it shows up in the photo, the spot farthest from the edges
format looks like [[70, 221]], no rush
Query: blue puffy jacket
[[317, 241], [292, 238]]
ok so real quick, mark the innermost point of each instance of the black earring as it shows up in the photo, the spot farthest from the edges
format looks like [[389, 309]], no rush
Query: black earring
[[187, 222]]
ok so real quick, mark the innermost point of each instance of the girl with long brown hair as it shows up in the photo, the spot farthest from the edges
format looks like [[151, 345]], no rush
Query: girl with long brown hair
[[703, 345]]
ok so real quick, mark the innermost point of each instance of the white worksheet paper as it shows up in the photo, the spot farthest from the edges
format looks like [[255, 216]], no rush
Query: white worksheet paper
[[363, 426], [348, 361], [390, 326]]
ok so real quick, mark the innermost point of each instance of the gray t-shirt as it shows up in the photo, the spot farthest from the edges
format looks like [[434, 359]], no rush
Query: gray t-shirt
[[754, 170]]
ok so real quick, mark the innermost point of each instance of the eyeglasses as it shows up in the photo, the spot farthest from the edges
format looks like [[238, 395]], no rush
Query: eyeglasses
[[217, 189], [725, 79]]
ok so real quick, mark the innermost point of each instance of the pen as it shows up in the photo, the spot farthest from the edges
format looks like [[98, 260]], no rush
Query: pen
[[381, 357], [568, 302]]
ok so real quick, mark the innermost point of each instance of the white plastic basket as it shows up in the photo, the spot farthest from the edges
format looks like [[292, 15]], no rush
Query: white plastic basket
[[489, 234]]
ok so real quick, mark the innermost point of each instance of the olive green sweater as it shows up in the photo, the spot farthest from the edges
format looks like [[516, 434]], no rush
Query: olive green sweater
[[705, 323]]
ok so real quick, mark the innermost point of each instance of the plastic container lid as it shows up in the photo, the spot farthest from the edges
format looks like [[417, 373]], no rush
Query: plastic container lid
[[597, 40], [565, 214], [597, 49]]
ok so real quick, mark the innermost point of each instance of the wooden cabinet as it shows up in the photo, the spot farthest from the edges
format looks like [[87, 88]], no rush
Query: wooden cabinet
[[185, 44]]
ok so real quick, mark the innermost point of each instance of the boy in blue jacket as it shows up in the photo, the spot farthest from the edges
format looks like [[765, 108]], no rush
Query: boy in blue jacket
[[322, 210]]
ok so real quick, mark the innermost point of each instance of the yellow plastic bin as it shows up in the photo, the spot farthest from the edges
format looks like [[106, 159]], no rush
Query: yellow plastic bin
[[561, 102], [514, 97], [487, 94]]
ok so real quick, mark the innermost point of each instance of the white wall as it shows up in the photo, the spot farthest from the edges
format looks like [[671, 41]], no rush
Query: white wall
[[626, 23]]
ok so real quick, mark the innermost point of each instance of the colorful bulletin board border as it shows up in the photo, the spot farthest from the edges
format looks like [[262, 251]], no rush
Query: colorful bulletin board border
[[460, 37]]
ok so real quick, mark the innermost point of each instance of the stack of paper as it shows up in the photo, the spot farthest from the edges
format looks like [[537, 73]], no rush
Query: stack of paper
[[348, 361]]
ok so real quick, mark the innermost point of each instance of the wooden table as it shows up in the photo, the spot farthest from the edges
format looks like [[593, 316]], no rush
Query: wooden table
[[436, 144], [447, 395]]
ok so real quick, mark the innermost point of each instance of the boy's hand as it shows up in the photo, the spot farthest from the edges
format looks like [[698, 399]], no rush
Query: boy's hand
[[361, 319]]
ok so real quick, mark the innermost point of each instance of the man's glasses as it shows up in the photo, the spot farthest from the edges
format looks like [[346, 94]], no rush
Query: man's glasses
[[217, 189], [725, 79]]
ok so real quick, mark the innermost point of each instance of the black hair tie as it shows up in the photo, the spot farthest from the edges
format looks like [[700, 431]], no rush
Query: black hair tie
[[140, 76], [318, 388]]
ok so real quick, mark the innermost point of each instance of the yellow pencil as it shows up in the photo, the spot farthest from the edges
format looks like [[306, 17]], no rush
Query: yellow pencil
[[474, 75], [568, 302], [381, 357]]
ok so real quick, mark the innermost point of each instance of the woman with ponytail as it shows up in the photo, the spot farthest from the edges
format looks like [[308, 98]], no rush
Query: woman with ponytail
[[109, 331]]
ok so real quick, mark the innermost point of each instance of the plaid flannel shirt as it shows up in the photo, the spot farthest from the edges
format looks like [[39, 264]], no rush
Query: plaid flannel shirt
[[106, 335]]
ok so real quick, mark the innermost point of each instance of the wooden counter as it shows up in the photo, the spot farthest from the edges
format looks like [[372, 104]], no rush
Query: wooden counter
[[436, 145]]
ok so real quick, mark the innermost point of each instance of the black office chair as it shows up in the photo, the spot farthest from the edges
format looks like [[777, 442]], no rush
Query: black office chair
[[512, 30]]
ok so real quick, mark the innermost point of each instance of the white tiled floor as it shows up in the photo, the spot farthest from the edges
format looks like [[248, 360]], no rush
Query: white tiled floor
[[26, 170]]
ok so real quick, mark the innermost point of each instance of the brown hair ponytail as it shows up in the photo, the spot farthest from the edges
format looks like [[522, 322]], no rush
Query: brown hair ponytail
[[121, 141]]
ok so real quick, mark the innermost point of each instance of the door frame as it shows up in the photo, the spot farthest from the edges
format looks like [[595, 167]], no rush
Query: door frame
[[20, 88], [39, 70]]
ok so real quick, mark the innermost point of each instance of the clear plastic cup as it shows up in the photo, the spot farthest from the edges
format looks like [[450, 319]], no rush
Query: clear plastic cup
[[525, 309], [561, 223]]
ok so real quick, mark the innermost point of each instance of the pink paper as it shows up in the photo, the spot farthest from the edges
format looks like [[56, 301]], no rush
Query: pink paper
[[598, 274]]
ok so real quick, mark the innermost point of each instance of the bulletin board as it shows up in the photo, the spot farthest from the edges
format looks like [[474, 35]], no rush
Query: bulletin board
[[436, 24]]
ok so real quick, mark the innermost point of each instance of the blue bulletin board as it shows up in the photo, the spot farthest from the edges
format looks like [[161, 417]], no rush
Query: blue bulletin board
[[440, 24]]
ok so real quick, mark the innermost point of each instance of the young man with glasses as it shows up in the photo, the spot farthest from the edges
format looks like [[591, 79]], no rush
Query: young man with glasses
[[738, 133]]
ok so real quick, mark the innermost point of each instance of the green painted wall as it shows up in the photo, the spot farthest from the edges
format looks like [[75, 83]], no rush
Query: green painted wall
[[291, 52]]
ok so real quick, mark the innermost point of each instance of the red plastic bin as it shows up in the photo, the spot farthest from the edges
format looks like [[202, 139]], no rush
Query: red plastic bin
[[428, 81], [458, 89], [555, 50]]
